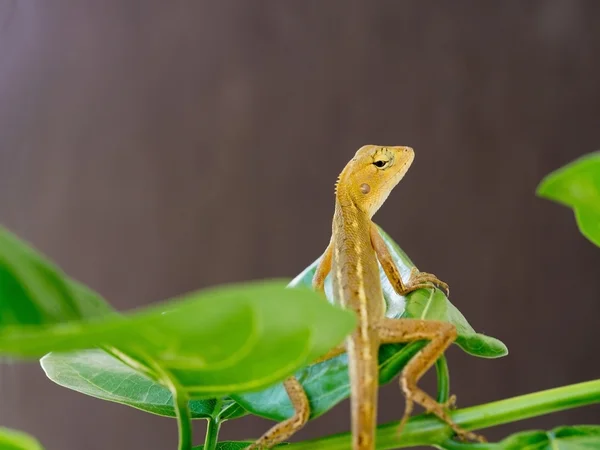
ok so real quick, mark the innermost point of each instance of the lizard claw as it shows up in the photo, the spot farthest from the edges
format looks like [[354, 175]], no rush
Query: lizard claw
[[419, 280], [466, 436], [450, 403]]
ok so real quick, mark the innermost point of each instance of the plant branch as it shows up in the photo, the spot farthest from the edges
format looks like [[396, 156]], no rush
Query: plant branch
[[427, 430], [184, 419], [212, 434], [180, 403]]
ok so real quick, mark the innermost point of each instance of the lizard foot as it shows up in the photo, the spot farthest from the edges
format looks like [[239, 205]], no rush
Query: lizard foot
[[450, 403], [416, 395], [424, 280]]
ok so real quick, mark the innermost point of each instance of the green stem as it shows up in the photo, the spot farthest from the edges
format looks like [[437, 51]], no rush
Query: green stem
[[212, 434], [184, 419], [427, 430], [180, 402], [443, 379]]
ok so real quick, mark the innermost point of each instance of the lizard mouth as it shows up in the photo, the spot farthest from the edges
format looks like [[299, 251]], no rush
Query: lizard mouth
[[405, 159]]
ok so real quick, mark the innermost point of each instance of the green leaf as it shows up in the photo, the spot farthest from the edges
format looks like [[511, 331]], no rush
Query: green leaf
[[17, 440], [327, 383], [434, 305], [213, 342], [563, 438], [228, 410], [35, 292], [577, 185], [230, 445], [579, 437], [98, 374], [235, 445]]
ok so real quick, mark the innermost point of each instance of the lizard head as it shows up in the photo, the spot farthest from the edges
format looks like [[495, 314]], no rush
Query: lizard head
[[371, 175]]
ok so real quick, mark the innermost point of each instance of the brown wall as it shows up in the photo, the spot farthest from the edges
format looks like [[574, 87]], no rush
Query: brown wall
[[155, 147]]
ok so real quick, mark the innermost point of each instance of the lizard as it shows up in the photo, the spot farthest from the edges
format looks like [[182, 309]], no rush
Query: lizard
[[352, 256]]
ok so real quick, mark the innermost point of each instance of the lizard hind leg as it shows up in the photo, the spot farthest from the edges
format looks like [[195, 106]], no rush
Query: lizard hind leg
[[440, 335], [283, 430]]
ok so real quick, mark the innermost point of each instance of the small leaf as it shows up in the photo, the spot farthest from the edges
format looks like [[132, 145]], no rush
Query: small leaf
[[17, 440], [563, 438], [577, 185], [35, 292], [327, 383], [230, 445], [98, 374], [229, 410], [578, 437], [235, 445]]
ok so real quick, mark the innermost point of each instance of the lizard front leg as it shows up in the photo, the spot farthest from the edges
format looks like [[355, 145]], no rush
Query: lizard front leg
[[417, 280], [283, 430], [441, 335], [323, 269]]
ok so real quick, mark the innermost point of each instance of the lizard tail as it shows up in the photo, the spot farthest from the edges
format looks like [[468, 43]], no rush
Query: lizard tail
[[363, 346]]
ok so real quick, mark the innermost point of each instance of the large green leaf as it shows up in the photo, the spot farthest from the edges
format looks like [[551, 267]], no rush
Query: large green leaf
[[96, 373], [35, 292], [216, 341], [211, 342], [579, 437], [577, 185], [204, 345], [327, 383], [17, 440]]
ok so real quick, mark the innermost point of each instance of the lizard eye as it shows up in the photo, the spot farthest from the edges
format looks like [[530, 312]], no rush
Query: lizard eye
[[380, 163]]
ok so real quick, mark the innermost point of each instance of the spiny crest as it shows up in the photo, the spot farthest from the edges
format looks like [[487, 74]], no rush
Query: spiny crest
[[339, 178]]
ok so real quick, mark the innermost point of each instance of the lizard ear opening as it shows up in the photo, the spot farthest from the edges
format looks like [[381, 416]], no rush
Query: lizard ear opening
[[365, 188]]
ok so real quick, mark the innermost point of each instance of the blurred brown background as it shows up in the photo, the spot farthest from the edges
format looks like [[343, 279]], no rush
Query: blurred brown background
[[156, 147]]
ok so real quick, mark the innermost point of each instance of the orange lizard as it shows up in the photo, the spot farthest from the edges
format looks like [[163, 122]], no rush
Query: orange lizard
[[352, 258]]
